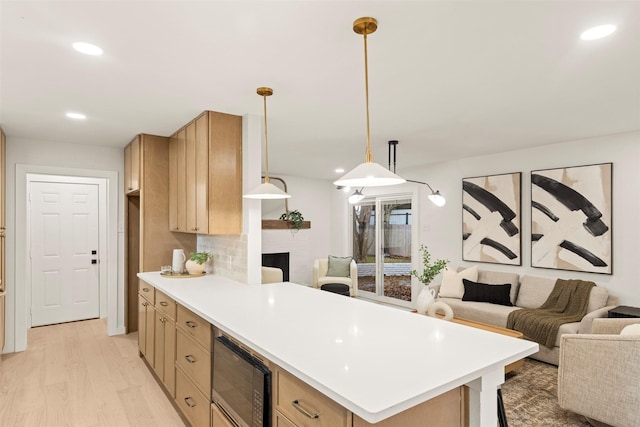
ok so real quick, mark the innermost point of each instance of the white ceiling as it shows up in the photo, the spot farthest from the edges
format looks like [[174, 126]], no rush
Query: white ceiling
[[447, 79]]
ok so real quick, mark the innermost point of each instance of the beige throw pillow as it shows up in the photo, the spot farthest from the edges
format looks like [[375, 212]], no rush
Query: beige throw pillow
[[631, 329], [452, 286]]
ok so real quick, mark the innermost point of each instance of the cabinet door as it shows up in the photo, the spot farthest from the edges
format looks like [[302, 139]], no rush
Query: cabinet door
[[2, 312], [165, 351], [150, 325], [225, 173], [181, 180], [190, 172], [173, 183], [142, 323], [159, 360], [202, 174], [170, 356], [132, 166]]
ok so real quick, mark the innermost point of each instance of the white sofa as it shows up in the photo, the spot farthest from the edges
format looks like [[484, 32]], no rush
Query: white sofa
[[529, 292]]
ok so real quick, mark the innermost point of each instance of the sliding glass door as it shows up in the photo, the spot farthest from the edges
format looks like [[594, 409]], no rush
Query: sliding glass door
[[382, 248]]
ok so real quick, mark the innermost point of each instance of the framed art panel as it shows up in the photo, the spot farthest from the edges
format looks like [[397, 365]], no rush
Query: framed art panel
[[491, 219], [571, 218]]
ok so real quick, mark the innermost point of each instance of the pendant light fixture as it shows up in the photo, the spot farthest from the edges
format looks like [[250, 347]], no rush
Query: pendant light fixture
[[266, 190], [368, 174]]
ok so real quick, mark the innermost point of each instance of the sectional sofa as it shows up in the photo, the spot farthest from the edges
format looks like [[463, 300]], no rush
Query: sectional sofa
[[528, 292]]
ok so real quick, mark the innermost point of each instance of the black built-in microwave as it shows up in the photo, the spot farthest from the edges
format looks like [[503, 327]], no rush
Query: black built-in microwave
[[241, 384]]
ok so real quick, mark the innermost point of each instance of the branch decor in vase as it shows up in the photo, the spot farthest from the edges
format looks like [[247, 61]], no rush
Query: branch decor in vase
[[430, 270]]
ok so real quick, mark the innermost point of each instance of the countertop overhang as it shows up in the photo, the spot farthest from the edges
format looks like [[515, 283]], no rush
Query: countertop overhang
[[374, 360]]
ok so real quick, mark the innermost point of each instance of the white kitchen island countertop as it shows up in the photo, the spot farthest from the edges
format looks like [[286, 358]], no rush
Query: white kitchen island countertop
[[374, 360]]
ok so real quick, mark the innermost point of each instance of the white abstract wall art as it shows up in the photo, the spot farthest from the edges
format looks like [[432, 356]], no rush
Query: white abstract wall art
[[571, 218], [491, 219]]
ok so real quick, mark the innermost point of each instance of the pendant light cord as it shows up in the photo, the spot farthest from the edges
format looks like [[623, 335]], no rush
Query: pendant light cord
[[368, 158], [266, 141]]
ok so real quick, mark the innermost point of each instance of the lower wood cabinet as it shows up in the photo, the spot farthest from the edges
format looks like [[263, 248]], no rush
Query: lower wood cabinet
[[194, 361], [2, 313], [146, 329], [192, 403], [305, 406], [165, 351], [282, 421], [218, 419]]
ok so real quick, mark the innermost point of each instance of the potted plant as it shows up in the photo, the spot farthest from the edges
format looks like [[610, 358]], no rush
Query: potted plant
[[429, 272], [196, 262], [294, 217]]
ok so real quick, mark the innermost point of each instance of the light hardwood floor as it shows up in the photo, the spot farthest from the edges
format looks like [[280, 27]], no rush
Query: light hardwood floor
[[73, 374]]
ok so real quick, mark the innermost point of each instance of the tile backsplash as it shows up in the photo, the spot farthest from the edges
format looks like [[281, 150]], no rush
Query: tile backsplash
[[229, 255]]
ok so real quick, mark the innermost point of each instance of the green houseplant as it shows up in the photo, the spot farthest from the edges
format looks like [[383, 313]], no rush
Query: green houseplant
[[196, 262], [294, 217], [429, 270]]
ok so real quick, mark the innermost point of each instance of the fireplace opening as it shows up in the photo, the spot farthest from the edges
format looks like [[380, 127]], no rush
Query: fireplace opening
[[279, 260]]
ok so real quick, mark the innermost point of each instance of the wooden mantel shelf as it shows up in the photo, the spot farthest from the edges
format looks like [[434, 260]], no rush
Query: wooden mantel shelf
[[279, 224]]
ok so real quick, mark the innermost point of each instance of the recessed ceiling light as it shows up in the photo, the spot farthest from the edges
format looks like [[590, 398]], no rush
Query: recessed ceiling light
[[598, 32], [339, 170], [87, 48], [77, 116]]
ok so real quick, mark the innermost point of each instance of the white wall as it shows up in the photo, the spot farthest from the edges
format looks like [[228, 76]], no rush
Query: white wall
[[313, 198], [440, 228], [63, 156]]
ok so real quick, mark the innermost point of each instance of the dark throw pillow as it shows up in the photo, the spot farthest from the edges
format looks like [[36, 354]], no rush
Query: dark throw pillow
[[339, 266], [482, 292]]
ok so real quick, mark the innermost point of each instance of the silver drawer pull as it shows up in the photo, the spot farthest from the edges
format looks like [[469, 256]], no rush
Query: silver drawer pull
[[190, 324], [189, 358], [297, 405], [145, 289], [190, 403], [164, 303]]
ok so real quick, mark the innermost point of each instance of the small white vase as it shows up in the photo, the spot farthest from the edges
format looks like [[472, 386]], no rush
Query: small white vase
[[193, 267], [426, 297]]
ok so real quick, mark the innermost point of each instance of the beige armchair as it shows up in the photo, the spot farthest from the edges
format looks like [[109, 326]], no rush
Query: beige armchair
[[599, 373], [271, 275], [320, 268]]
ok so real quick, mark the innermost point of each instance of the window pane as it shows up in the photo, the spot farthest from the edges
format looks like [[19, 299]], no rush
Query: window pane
[[396, 235], [364, 248]]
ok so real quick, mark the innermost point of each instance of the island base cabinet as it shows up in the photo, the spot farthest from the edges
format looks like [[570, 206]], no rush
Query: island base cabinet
[[281, 421], [218, 419], [193, 404], [445, 410], [304, 406]]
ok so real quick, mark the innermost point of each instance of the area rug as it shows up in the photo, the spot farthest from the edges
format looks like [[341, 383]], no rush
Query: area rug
[[530, 395]]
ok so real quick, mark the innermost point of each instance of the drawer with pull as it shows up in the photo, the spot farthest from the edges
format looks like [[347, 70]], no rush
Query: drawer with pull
[[195, 327], [165, 305], [195, 361], [147, 291], [306, 406], [193, 404]]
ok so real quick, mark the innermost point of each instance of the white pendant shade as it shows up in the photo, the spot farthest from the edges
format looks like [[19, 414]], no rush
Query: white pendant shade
[[369, 174], [437, 199], [266, 190]]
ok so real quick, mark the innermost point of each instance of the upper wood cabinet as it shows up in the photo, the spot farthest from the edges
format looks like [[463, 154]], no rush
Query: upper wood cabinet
[[205, 175], [132, 166]]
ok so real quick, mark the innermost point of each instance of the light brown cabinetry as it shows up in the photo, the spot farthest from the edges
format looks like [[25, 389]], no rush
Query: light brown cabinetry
[[304, 406], [149, 241], [218, 419], [205, 194], [192, 402], [132, 166], [165, 341], [146, 322], [3, 231], [193, 366]]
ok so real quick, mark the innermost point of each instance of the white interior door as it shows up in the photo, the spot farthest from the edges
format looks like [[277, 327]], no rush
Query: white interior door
[[64, 252]]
